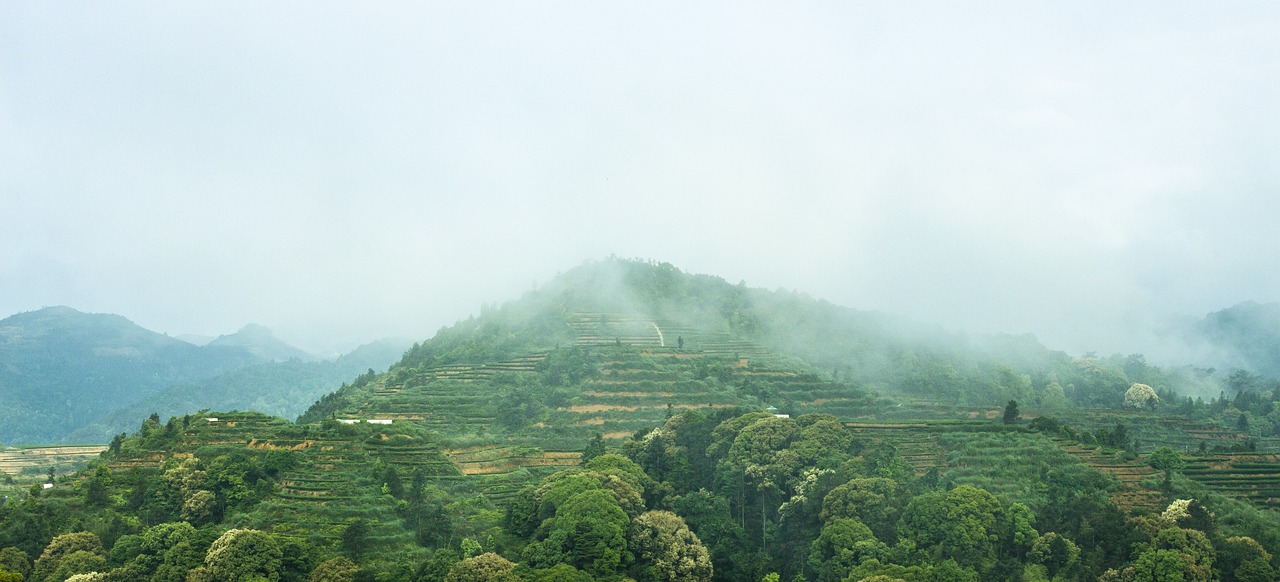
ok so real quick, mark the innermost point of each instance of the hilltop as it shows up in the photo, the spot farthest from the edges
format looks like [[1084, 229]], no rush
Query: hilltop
[[259, 341], [616, 343]]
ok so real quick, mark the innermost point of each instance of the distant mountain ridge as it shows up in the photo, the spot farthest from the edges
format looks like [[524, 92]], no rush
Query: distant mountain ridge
[[61, 368], [1245, 335], [283, 388], [260, 342]]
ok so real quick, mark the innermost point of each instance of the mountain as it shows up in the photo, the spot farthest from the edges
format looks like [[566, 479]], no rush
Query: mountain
[[626, 406], [259, 341], [61, 368], [616, 345], [282, 388], [1246, 336]]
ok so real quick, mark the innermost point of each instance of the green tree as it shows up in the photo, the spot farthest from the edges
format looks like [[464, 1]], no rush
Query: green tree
[[355, 538], [81, 544], [843, 543], [619, 466], [340, 569], [1160, 566], [959, 524], [1194, 549], [708, 515], [78, 562], [437, 565], [1167, 460], [199, 507], [15, 561], [667, 550], [883, 460], [168, 551], [1243, 559], [588, 532], [595, 448], [823, 441], [1020, 533], [488, 567], [874, 501], [1011, 412], [556, 573], [98, 486], [241, 555], [1055, 553]]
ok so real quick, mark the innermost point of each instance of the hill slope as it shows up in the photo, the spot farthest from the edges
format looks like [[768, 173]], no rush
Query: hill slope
[[1246, 335], [608, 346], [61, 368], [277, 388]]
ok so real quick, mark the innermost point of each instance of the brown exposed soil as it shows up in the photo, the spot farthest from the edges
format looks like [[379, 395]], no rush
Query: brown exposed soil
[[595, 394]]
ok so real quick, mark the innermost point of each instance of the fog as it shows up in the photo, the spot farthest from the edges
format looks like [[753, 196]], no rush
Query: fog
[[343, 172]]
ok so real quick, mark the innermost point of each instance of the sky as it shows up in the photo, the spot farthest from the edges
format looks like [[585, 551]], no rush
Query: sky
[[341, 172]]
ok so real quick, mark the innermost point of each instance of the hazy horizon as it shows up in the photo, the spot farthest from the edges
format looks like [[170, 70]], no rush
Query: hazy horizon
[[1085, 173]]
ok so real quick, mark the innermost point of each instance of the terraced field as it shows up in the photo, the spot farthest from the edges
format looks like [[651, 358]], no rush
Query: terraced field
[[1255, 477], [501, 460], [331, 487], [916, 442], [1252, 476], [1010, 463], [642, 370], [1132, 496], [1152, 431], [35, 462], [332, 483]]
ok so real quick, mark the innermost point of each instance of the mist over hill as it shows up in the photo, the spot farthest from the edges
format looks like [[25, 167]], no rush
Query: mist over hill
[[1244, 336], [717, 401], [550, 352]]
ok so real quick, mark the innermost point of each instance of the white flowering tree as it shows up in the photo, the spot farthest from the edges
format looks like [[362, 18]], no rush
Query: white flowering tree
[[1141, 396]]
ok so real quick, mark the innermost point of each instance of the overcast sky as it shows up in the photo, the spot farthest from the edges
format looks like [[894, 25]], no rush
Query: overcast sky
[[343, 172]]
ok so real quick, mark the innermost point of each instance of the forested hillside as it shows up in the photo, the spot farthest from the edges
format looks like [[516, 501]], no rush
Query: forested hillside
[[630, 421], [714, 495], [61, 369], [282, 388]]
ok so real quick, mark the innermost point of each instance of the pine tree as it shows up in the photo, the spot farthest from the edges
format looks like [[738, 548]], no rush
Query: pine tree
[[1011, 412]]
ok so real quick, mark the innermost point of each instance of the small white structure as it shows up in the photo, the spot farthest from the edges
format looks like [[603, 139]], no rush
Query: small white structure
[[211, 418], [379, 421], [359, 420], [46, 485]]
